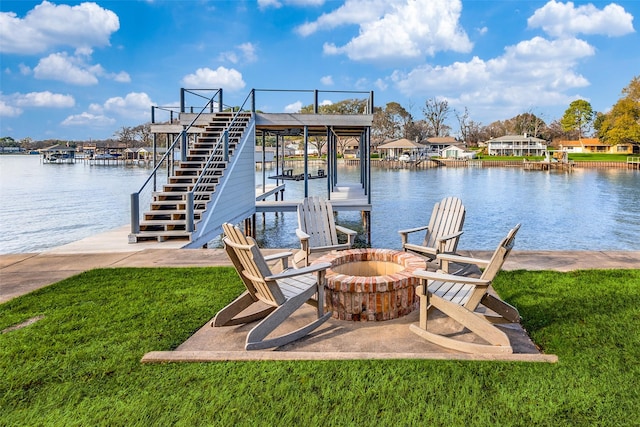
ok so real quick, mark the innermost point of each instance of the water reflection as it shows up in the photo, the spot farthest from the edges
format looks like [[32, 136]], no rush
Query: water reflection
[[582, 210]]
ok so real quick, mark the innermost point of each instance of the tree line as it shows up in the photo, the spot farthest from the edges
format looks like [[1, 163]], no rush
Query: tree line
[[393, 121]]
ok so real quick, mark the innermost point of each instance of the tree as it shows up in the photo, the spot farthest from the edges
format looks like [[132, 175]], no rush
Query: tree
[[347, 106], [125, 135], [391, 123], [436, 113], [578, 117], [463, 123], [622, 123]]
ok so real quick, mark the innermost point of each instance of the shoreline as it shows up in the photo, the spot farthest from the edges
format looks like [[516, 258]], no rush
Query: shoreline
[[23, 273]]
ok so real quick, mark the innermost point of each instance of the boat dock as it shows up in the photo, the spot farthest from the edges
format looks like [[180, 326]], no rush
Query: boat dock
[[343, 198], [633, 162]]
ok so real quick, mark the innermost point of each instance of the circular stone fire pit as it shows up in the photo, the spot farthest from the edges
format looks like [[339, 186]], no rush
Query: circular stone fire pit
[[371, 284]]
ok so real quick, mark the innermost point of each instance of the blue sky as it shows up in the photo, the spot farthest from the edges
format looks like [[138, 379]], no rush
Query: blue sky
[[82, 70]]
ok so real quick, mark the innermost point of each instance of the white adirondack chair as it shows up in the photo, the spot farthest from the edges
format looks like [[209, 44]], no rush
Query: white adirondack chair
[[283, 292], [459, 297], [317, 229], [443, 232]]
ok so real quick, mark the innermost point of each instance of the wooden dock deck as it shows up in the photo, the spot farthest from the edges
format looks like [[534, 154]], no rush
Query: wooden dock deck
[[348, 197], [633, 162]]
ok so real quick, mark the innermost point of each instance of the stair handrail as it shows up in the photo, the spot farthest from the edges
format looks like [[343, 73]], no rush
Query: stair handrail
[[135, 197], [224, 138]]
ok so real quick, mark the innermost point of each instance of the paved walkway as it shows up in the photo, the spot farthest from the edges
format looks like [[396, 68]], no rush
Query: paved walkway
[[23, 273]]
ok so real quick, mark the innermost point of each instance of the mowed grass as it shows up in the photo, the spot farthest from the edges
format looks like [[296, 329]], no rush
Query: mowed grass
[[80, 364]]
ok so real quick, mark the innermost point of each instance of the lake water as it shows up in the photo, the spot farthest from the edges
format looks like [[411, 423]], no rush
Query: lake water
[[47, 205]]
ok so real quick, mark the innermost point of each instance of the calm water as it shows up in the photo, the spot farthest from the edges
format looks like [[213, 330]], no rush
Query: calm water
[[49, 205]]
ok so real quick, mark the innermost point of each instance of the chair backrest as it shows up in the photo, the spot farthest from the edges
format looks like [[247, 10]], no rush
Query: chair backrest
[[447, 218], [500, 254], [251, 266], [315, 217]]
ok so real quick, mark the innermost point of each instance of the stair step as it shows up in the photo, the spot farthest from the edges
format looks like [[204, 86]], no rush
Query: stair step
[[161, 236]]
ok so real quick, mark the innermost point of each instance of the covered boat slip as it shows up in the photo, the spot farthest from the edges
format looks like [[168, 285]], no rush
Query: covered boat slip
[[343, 195]]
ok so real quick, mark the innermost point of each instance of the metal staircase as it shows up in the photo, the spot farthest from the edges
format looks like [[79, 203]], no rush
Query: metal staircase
[[177, 210]]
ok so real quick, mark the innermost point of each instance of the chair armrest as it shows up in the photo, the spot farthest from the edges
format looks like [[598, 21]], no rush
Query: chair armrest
[[463, 259], [413, 230], [351, 234], [279, 255], [283, 257], [346, 230], [450, 278], [301, 234], [449, 236], [404, 234], [425, 250], [299, 271]]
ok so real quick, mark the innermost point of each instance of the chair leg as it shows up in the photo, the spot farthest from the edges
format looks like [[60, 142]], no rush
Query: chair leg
[[226, 316], [256, 337], [498, 340]]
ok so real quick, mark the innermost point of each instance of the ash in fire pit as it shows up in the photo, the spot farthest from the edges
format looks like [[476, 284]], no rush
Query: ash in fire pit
[[371, 284]]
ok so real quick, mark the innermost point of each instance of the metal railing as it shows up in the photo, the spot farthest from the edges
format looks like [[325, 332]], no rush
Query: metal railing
[[233, 126], [169, 155]]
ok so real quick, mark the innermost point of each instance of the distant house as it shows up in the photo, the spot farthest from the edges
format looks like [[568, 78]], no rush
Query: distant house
[[436, 144], [594, 145], [456, 152], [146, 153], [516, 145], [394, 149]]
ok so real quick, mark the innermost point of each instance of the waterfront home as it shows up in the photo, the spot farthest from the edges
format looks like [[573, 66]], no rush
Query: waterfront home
[[594, 145], [436, 144], [456, 152], [516, 145], [394, 149]]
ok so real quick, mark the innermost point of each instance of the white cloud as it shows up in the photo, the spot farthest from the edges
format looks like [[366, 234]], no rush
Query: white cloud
[[48, 25], [7, 110], [64, 68], [248, 52], [533, 72], [351, 12], [13, 105], [381, 84], [293, 108], [24, 70], [88, 119], [206, 78], [263, 4], [326, 102], [565, 19], [74, 69], [121, 77], [244, 52], [45, 99], [135, 105], [327, 80], [402, 29]]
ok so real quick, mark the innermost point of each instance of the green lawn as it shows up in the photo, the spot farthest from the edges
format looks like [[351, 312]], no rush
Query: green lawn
[[80, 364], [576, 157]]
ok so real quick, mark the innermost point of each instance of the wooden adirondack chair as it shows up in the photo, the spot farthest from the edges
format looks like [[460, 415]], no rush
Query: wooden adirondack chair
[[317, 229], [283, 292], [442, 233], [458, 297]]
